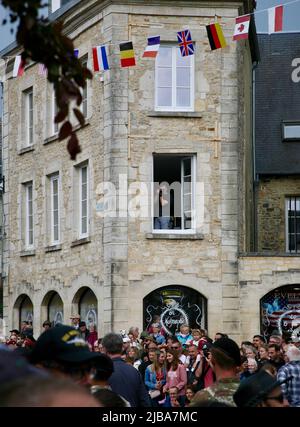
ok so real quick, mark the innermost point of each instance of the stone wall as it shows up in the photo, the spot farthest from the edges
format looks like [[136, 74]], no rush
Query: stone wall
[[271, 215]]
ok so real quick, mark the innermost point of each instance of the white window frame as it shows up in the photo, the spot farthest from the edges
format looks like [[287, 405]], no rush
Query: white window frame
[[290, 124], [55, 4], [173, 107], [54, 178], [29, 136], [191, 230], [29, 232], [287, 234], [82, 234]]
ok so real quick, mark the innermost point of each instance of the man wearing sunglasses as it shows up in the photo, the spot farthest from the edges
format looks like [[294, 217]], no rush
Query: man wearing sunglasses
[[260, 390]]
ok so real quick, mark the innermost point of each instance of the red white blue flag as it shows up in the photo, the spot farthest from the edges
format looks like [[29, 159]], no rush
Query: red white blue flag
[[185, 43], [151, 50], [100, 61]]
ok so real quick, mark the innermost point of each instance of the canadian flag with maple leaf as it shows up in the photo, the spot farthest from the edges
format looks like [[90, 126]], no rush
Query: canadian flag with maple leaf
[[241, 29]]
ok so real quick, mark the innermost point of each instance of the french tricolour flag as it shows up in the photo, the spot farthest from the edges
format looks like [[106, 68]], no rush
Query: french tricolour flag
[[275, 19], [19, 66], [100, 58], [152, 49]]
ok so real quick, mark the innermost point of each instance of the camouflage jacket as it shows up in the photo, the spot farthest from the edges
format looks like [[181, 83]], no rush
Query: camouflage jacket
[[222, 391]]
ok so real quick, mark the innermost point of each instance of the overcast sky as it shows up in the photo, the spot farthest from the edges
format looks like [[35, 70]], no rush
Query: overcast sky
[[291, 19]]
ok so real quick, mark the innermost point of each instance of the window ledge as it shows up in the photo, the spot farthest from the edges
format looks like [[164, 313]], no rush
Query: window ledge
[[174, 114], [53, 248], [268, 254], [175, 236], [55, 137], [26, 149], [27, 252], [80, 242]]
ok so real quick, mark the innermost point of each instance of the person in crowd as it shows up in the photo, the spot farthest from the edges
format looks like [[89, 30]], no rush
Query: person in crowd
[[249, 366], [173, 400], [268, 367], [92, 336], [291, 389], [134, 333], [155, 379], [260, 390], [83, 331], [189, 394], [125, 380], [184, 335], [46, 325], [204, 374], [250, 351], [62, 351], [178, 347], [263, 354], [45, 392], [275, 355], [75, 319], [245, 344], [225, 360], [192, 364], [198, 340], [101, 372], [98, 345], [176, 374], [258, 341], [219, 335], [133, 357], [156, 334], [275, 338]]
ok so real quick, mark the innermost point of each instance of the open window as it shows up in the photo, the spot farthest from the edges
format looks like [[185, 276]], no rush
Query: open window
[[174, 193]]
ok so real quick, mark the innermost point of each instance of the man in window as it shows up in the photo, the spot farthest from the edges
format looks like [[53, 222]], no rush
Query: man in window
[[163, 220]]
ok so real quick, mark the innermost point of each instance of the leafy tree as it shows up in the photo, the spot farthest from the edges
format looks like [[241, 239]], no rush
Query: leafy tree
[[44, 42]]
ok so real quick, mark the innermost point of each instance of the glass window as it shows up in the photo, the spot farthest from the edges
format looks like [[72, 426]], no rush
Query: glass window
[[293, 224], [174, 80], [29, 215], [28, 96], [55, 215], [291, 131], [83, 221]]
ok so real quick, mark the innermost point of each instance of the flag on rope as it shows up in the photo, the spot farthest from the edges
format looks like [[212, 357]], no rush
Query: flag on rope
[[185, 43], [275, 15], [241, 30], [215, 36], [100, 61], [127, 54], [19, 66], [151, 50]]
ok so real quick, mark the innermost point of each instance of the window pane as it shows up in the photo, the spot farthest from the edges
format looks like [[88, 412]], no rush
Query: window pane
[[83, 225], [183, 77], [84, 209], [164, 77], [184, 61], [164, 97], [183, 97], [291, 131], [164, 57], [187, 202]]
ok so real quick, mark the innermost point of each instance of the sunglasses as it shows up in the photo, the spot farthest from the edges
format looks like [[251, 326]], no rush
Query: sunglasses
[[279, 398], [175, 348]]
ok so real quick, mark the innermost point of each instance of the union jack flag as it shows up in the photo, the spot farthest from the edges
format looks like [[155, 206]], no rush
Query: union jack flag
[[185, 43]]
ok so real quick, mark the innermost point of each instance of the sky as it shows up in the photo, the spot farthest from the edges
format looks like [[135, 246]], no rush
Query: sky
[[291, 21]]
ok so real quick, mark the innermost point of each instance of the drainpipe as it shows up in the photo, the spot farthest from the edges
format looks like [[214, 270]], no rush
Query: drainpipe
[[254, 175]]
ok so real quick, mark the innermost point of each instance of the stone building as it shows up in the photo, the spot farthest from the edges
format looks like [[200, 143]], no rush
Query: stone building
[[269, 271], [173, 119]]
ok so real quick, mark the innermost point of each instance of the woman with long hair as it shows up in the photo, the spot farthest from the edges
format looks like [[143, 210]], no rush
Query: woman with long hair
[[176, 375], [155, 378]]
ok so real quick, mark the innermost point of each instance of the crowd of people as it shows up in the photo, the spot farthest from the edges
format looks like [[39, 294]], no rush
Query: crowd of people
[[147, 369]]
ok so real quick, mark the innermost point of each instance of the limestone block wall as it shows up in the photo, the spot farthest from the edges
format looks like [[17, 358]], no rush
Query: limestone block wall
[[271, 211], [259, 275]]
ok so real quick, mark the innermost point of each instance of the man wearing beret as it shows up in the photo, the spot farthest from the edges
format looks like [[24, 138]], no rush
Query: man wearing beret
[[224, 359]]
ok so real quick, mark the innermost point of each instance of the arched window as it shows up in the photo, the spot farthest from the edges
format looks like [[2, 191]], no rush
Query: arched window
[[23, 311], [280, 312], [173, 306], [88, 307], [54, 307]]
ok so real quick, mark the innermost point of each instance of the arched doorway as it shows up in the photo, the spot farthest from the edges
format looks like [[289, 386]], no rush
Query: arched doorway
[[280, 312], [53, 308], [175, 305], [86, 303], [23, 311]]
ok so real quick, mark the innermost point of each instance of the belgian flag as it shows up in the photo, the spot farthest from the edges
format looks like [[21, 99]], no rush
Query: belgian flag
[[215, 36], [127, 54]]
